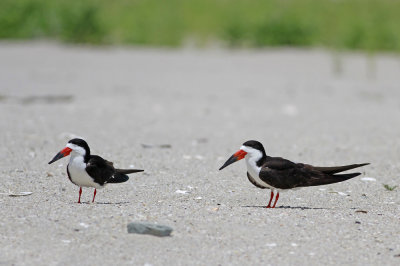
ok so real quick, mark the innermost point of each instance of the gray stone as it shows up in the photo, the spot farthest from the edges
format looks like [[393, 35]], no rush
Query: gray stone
[[149, 229]]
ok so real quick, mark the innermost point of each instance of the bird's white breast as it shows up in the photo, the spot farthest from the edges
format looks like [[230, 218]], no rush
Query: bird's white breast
[[254, 172], [78, 174]]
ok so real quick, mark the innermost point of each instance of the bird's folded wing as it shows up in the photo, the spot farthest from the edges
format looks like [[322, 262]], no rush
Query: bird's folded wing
[[284, 174], [99, 169]]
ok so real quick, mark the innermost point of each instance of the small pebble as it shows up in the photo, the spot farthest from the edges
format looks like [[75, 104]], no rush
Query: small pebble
[[149, 229]]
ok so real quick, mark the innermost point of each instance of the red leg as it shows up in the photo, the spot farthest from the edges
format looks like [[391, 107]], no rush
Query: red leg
[[94, 195], [80, 193], [276, 200], [270, 199]]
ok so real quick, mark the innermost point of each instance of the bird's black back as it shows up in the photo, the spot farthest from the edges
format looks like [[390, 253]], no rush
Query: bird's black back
[[99, 169], [103, 171]]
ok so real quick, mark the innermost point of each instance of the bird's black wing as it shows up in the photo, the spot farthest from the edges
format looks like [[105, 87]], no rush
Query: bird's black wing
[[99, 169], [278, 163], [285, 174]]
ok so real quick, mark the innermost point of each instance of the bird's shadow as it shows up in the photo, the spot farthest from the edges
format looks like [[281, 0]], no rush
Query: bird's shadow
[[105, 203], [288, 207]]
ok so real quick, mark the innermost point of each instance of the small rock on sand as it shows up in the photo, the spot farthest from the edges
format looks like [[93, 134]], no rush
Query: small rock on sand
[[149, 229]]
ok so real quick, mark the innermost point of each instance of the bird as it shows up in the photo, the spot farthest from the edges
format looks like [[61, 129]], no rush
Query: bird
[[87, 170], [276, 173]]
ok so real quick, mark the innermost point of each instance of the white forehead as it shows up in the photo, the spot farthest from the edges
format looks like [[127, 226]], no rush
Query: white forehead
[[76, 148], [249, 149], [252, 154]]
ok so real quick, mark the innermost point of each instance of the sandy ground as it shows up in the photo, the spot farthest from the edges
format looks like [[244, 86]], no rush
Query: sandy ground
[[311, 106]]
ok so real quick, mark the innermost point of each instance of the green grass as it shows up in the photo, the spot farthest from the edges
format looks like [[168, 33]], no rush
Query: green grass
[[370, 25], [388, 187]]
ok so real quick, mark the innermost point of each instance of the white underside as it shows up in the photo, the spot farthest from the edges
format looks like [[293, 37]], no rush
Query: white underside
[[251, 159], [262, 183], [78, 174], [254, 172]]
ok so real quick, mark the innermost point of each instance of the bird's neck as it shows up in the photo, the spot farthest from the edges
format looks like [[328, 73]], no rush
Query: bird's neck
[[75, 156], [254, 164]]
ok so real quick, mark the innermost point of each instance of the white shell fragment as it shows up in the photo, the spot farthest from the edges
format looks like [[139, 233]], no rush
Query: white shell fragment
[[368, 179], [17, 194], [182, 191], [339, 192], [84, 225]]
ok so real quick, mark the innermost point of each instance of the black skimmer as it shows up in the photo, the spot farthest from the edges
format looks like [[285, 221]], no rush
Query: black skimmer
[[277, 173], [86, 170]]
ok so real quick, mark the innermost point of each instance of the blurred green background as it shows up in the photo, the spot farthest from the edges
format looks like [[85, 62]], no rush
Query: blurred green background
[[370, 25]]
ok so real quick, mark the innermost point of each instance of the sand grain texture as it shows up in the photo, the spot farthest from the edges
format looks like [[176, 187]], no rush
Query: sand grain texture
[[306, 105]]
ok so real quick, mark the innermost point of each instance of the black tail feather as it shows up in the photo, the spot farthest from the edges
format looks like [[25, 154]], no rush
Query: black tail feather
[[338, 169], [118, 178], [120, 175], [344, 177], [128, 171], [330, 179]]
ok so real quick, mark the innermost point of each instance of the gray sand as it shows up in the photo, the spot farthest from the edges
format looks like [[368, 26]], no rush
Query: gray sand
[[306, 105]]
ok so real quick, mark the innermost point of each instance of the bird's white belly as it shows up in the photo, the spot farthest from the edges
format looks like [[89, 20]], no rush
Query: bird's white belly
[[254, 173], [78, 174], [257, 179]]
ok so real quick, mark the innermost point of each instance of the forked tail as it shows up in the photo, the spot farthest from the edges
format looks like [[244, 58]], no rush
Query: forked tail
[[330, 179], [128, 171], [337, 169], [121, 175]]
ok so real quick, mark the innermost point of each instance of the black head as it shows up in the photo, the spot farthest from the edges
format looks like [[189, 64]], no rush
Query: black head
[[255, 145], [251, 148], [74, 145], [81, 143]]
